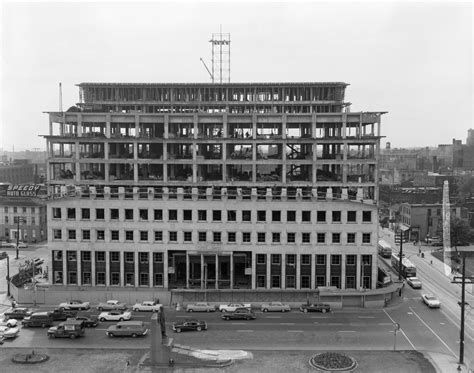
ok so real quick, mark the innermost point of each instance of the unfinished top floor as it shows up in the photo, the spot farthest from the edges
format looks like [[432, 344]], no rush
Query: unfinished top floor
[[205, 97]]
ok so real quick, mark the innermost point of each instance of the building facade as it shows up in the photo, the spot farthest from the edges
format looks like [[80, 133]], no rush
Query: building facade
[[213, 186]]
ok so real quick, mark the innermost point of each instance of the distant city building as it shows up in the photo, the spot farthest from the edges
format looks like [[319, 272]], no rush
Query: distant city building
[[426, 220]]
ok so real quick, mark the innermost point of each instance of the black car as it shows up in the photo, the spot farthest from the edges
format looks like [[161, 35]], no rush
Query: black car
[[315, 307], [18, 313], [89, 321], [61, 314], [189, 324], [240, 314]]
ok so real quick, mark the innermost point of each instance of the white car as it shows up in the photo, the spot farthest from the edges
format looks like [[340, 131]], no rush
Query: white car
[[7, 332], [115, 316], [8, 322], [431, 301], [414, 282], [147, 306], [231, 307], [200, 307], [75, 305]]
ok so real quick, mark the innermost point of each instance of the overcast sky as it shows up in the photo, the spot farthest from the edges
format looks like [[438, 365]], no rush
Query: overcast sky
[[413, 60]]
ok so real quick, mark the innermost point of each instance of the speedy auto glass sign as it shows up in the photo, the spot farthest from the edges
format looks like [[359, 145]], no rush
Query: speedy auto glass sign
[[15, 190]]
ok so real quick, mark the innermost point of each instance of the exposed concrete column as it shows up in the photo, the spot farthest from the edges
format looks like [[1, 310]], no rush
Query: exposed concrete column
[[298, 271], [79, 268], [269, 271], [358, 271], [328, 270], [202, 271], [187, 270], [107, 269], [137, 126], [79, 124], [254, 270], [283, 128], [195, 124], [165, 270], [166, 133], [151, 275], [313, 271], [343, 271], [51, 127], [107, 125], [224, 126], [283, 271], [231, 270], [65, 274], [135, 269], [93, 268]]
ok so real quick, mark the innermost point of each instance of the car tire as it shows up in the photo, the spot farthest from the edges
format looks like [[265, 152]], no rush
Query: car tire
[[265, 310], [121, 319], [111, 335], [72, 336], [135, 309], [227, 318], [190, 310], [102, 319], [51, 336], [323, 310], [99, 308], [198, 328], [43, 325], [178, 330], [134, 335], [305, 310]]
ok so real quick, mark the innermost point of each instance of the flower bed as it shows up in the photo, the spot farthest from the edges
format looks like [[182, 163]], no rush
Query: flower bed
[[333, 361]]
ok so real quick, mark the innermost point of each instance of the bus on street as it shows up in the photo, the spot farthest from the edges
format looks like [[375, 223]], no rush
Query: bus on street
[[384, 249], [408, 268]]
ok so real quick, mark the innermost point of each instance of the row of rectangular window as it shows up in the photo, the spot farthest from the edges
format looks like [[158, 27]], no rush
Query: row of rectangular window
[[143, 257], [100, 277], [15, 209], [202, 215], [216, 236], [306, 281], [129, 256], [275, 259]]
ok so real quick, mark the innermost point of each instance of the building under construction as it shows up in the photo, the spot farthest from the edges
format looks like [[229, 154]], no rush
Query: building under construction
[[213, 186]]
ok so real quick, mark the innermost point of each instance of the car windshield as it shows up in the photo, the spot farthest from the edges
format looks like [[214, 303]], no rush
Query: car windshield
[[430, 298]]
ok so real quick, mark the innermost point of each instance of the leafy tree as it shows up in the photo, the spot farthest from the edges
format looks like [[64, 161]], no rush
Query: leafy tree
[[460, 231]]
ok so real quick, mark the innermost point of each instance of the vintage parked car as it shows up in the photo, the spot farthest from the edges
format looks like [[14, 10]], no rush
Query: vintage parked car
[[147, 306], [189, 324], [431, 301], [8, 322], [115, 316], [315, 307], [7, 332], [231, 307], [68, 329], [89, 321], [414, 282], [240, 314], [6, 244], [75, 305], [18, 313], [3, 255], [127, 329], [61, 314], [111, 305], [200, 307], [275, 307]]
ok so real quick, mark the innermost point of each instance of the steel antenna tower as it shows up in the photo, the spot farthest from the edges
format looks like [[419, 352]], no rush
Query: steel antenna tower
[[220, 44]]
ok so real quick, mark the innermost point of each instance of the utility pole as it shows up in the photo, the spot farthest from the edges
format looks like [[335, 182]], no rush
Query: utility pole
[[401, 256], [463, 302], [18, 218]]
